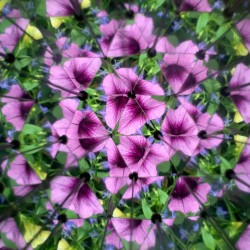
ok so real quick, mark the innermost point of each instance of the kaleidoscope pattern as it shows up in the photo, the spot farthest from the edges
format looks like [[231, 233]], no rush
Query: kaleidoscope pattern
[[124, 124]]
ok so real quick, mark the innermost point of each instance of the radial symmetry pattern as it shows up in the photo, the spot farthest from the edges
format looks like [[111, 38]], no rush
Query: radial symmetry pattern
[[124, 125]]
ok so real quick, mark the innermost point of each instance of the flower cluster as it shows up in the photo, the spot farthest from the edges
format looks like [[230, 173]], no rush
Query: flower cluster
[[124, 125]]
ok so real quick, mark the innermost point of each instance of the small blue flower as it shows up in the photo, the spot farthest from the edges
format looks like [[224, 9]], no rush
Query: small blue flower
[[59, 34], [34, 63], [228, 137], [215, 98], [227, 121], [176, 26], [160, 14], [94, 10], [30, 6], [217, 5], [217, 159], [171, 244], [7, 9], [94, 234], [106, 194], [102, 20], [196, 227], [92, 220], [165, 214], [221, 212], [183, 233], [109, 247], [66, 45], [173, 214], [85, 31], [116, 65], [91, 156], [145, 189], [2, 199]]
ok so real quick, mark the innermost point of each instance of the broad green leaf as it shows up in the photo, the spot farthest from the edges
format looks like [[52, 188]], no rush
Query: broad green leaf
[[202, 22], [146, 209], [225, 164], [208, 239], [164, 167], [31, 229], [163, 196]]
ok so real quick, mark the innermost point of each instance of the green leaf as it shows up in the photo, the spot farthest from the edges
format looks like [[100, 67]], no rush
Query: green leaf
[[175, 160], [208, 239], [164, 167], [163, 196], [146, 209], [225, 164], [202, 22], [31, 129]]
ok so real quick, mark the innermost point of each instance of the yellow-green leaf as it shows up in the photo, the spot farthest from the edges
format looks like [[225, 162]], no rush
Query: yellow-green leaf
[[31, 230]]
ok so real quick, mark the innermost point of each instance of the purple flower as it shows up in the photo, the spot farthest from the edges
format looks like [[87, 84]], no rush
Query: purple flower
[[130, 102], [185, 194], [82, 201]]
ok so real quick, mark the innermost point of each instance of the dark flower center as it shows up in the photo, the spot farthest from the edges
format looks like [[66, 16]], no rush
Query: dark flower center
[[228, 12], [157, 135], [200, 54], [63, 139], [181, 190], [156, 218], [151, 52], [15, 144], [133, 176], [203, 214], [131, 94], [85, 176], [129, 14], [230, 174], [1, 187], [57, 58], [225, 91], [79, 17], [202, 134], [82, 96], [62, 218], [9, 58]]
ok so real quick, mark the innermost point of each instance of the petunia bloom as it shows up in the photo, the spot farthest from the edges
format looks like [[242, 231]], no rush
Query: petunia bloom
[[87, 133], [11, 36], [244, 240], [193, 5], [210, 124], [182, 70], [239, 90], [132, 38], [187, 194], [130, 102], [57, 8], [65, 50], [75, 195], [244, 30], [136, 230], [75, 75], [59, 132], [22, 172], [12, 232], [179, 132], [15, 110], [242, 169]]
